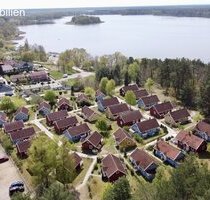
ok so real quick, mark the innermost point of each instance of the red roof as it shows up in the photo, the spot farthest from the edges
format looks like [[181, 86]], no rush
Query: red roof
[[189, 139], [142, 159], [112, 164], [121, 135], [13, 126], [38, 75], [204, 127], [63, 101], [80, 129], [44, 105], [132, 87], [99, 93], [17, 77], [169, 150], [22, 134], [110, 101], [118, 108], [66, 122], [55, 116], [23, 146], [22, 110], [130, 116], [82, 97], [87, 111], [6, 67], [179, 114], [141, 93], [147, 125], [94, 139], [148, 100], [163, 107], [76, 158]]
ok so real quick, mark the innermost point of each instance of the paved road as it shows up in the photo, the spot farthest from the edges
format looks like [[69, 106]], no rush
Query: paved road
[[8, 174], [88, 174], [81, 74], [57, 83], [43, 129]]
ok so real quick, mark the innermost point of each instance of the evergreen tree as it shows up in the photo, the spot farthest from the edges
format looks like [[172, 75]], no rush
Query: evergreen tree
[[127, 79]]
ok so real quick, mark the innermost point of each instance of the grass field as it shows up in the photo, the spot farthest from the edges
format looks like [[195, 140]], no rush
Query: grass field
[[97, 187], [86, 164], [56, 74]]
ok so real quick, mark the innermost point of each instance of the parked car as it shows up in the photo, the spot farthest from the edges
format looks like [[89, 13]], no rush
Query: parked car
[[3, 159], [65, 76], [17, 186]]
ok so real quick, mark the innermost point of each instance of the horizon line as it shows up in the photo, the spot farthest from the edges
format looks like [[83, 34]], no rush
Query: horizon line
[[87, 7]]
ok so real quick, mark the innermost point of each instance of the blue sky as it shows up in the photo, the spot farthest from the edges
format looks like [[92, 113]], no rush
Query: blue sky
[[10, 4]]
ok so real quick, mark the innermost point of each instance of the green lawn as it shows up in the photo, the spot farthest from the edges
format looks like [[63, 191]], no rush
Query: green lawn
[[97, 187], [56, 74], [150, 139], [109, 146]]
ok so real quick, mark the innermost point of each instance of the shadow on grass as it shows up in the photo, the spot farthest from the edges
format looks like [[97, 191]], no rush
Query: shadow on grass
[[205, 155]]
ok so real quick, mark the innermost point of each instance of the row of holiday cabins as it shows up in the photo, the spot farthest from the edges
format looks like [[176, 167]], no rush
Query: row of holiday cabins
[[141, 160], [113, 168], [22, 137]]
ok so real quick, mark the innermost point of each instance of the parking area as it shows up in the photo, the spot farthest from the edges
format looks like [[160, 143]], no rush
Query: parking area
[[8, 174]]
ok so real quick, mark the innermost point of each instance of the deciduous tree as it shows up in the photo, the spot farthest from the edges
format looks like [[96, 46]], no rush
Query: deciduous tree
[[119, 190], [103, 84], [110, 87], [7, 105], [42, 160], [90, 92], [58, 192], [130, 98], [50, 96], [149, 85]]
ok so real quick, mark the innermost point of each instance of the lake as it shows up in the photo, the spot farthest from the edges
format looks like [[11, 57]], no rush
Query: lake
[[137, 36]]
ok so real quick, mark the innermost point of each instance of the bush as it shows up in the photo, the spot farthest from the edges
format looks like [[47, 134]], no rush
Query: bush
[[125, 153], [17, 162], [138, 138], [150, 148], [98, 159], [7, 145], [105, 134], [96, 167], [132, 172], [126, 128], [165, 130]]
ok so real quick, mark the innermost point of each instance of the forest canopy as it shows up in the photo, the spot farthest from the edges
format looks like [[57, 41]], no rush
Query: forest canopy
[[84, 20]]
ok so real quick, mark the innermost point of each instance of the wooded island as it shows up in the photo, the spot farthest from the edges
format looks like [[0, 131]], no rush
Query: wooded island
[[84, 20]]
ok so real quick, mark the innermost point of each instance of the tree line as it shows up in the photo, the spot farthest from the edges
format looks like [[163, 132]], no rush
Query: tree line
[[186, 80]]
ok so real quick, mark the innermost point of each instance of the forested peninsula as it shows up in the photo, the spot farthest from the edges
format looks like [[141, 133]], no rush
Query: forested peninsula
[[84, 20]]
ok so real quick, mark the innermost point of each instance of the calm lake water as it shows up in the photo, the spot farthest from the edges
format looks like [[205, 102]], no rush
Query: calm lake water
[[137, 36]]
